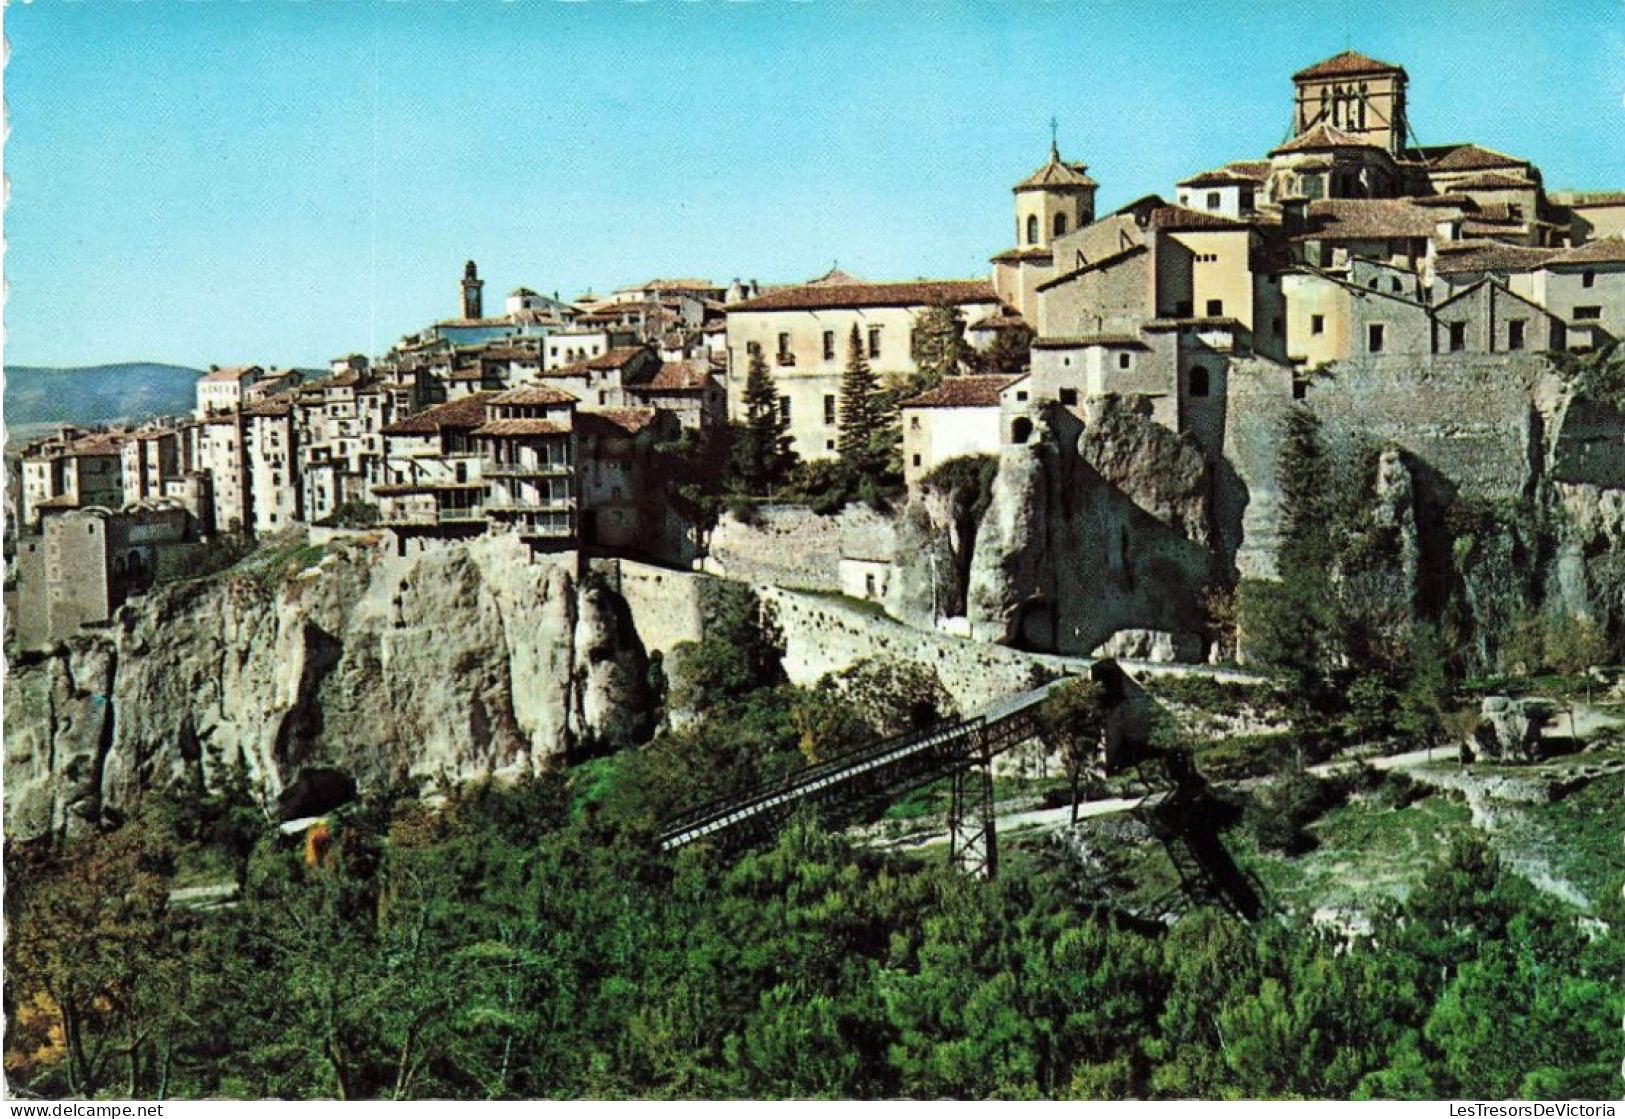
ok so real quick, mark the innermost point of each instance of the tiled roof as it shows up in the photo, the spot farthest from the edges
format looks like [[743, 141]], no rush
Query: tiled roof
[[1447, 199], [499, 321], [1495, 181], [101, 443], [1359, 219], [835, 277], [624, 421], [916, 293], [467, 373], [1031, 252], [1256, 169], [1219, 176], [274, 406], [1488, 256], [467, 412], [1079, 341], [1604, 250], [677, 376], [1180, 217], [1322, 137], [1348, 62], [230, 373], [963, 392], [523, 427], [1057, 175], [614, 359], [1471, 157], [673, 285], [532, 394]]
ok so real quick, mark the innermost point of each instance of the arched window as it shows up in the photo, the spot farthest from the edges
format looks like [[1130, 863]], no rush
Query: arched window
[[1032, 229], [1021, 430], [1199, 381], [1060, 224]]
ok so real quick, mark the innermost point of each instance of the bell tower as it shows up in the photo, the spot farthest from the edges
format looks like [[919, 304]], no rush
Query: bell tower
[[1053, 201], [473, 304], [1356, 95]]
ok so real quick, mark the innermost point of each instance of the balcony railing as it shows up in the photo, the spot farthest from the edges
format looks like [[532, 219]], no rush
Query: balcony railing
[[526, 469], [458, 516], [550, 505]]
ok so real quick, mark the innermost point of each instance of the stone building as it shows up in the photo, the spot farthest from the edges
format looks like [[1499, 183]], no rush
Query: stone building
[[803, 334], [220, 391], [83, 565], [961, 416], [73, 469]]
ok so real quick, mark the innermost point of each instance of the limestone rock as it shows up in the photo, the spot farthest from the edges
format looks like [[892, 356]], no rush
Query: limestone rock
[[1509, 730], [448, 665]]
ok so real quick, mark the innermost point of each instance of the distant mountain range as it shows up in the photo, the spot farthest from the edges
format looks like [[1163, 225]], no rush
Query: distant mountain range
[[99, 394]]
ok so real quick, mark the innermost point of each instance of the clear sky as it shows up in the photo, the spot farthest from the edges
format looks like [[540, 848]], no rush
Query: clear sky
[[282, 181]]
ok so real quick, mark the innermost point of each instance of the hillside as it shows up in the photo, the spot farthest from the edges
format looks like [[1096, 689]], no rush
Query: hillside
[[98, 394]]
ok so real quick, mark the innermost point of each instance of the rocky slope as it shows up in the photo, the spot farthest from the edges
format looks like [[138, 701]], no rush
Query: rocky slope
[[448, 665]]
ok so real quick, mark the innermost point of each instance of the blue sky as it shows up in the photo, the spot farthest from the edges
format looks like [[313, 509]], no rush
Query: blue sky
[[281, 181]]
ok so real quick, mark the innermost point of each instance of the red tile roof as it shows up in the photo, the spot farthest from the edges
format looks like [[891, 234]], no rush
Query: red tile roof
[[1032, 252], [102, 443], [467, 412], [1348, 62], [230, 373], [677, 376], [1220, 176], [1604, 250], [1324, 137], [1488, 256], [1003, 320], [963, 392], [623, 421], [614, 359], [1368, 219], [1495, 181], [915, 293], [532, 394], [1471, 157], [523, 427], [1057, 175], [1180, 217]]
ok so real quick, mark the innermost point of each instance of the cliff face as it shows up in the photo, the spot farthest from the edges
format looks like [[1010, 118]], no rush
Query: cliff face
[[1093, 531], [448, 665]]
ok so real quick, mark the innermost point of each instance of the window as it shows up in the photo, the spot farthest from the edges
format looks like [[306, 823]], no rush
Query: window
[[785, 356], [1069, 397], [1458, 336], [1060, 224], [1021, 430], [1278, 325], [1373, 283], [1396, 286], [1317, 324], [914, 423], [829, 408], [1184, 199], [829, 345], [1300, 386], [1032, 229], [1215, 308], [874, 341], [1124, 360], [1021, 396], [1374, 337], [1588, 278], [1199, 381], [1213, 200], [829, 444], [1515, 334], [1587, 314], [784, 408], [753, 348], [916, 463]]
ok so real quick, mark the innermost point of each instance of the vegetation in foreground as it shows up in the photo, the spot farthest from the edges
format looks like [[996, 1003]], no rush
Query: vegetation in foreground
[[528, 941]]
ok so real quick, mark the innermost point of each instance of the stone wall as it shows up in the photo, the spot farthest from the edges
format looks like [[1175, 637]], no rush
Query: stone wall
[[795, 547], [667, 606], [826, 634]]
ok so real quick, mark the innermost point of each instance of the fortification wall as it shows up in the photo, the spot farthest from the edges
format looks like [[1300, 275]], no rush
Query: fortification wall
[[667, 606], [795, 547]]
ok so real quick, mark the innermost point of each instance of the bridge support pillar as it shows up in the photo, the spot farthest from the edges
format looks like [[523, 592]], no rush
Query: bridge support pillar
[[972, 842]]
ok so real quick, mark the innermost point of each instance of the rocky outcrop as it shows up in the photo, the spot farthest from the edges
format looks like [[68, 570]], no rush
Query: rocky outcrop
[[448, 665], [1509, 730], [1093, 530]]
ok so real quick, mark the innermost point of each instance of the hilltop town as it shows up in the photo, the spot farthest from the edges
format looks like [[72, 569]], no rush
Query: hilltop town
[[1347, 245]]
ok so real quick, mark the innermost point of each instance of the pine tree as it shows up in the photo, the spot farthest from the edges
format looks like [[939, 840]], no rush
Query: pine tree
[[940, 349], [762, 446], [860, 412]]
